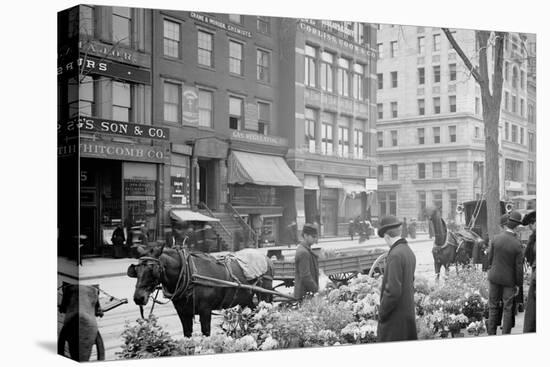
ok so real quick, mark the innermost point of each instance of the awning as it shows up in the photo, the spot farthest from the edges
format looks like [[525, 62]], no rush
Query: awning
[[311, 182], [190, 216], [260, 169]]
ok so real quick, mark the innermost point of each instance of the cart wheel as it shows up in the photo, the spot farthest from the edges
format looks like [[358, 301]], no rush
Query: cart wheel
[[98, 351], [379, 265], [343, 278]]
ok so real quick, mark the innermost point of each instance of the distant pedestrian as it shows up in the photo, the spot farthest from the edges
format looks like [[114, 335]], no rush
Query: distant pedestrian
[[404, 228], [396, 314], [530, 318], [306, 278], [292, 230], [505, 275], [412, 228], [351, 228]]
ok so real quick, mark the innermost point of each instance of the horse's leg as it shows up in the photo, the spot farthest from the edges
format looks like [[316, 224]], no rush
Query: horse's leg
[[185, 313], [206, 318]]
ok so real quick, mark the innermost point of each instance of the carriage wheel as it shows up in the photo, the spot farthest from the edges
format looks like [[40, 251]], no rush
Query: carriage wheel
[[343, 278], [98, 351], [379, 265]]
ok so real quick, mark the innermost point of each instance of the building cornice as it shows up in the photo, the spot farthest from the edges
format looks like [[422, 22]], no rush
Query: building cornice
[[427, 119]]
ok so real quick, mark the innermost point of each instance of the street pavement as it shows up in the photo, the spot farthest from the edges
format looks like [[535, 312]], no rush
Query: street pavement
[[110, 275]]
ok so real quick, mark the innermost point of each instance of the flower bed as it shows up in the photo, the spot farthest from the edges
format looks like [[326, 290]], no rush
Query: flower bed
[[346, 315]]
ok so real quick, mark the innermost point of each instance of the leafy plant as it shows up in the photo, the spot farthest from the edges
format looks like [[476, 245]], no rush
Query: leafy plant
[[147, 339]]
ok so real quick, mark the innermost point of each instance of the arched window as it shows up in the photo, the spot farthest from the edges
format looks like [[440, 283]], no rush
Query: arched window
[[515, 77]]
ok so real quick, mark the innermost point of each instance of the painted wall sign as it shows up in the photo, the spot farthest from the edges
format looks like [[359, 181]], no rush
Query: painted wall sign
[[258, 138], [221, 25], [94, 65], [97, 48], [125, 152], [190, 105], [112, 127]]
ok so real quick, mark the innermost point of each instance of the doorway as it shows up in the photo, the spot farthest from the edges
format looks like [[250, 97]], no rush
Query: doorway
[[208, 177]]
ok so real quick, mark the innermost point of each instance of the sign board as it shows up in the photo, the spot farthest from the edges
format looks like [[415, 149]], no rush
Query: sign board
[[139, 188], [219, 24], [125, 152], [258, 138], [87, 65], [371, 184], [112, 127]]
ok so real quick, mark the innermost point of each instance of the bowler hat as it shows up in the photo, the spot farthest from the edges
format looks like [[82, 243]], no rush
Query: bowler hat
[[309, 229], [514, 219], [386, 223], [504, 219], [529, 218]]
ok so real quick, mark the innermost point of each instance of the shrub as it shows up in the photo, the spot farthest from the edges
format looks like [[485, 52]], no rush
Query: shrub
[[147, 339]]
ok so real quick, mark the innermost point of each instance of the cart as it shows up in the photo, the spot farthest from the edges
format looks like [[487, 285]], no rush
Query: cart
[[340, 268]]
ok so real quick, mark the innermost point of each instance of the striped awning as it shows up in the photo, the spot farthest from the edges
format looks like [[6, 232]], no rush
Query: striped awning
[[260, 169]]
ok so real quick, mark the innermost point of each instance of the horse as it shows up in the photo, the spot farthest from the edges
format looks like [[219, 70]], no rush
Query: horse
[[451, 247], [181, 273]]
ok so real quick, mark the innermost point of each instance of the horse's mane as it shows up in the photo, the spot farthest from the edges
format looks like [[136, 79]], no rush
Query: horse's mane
[[440, 228]]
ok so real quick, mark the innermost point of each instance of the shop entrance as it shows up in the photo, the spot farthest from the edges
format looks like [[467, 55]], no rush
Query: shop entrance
[[208, 176], [310, 205], [329, 211]]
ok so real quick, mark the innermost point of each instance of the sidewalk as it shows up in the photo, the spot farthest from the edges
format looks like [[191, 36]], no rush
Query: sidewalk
[[100, 267]]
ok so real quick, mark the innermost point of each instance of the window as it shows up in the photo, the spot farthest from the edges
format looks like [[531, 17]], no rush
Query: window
[[394, 138], [393, 49], [437, 74], [506, 100], [311, 118], [477, 111], [358, 143], [513, 170], [452, 134], [359, 33], [380, 138], [380, 81], [531, 176], [506, 70], [421, 76], [236, 113], [394, 109], [530, 113], [453, 201], [436, 170], [358, 74], [380, 109], [521, 134], [122, 25], [437, 105], [437, 136], [235, 18], [507, 131], [380, 47], [452, 72], [343, 141], [235, 58], [206, 108], [531, 143], [263, 61], [437, 42], [172, 99], [343, 77], [122, 101], [420, 133], [514, 77], [327, 72], [522, 79], [420, 45], [86, 20], [437, 199], [264, 118], [452, 169], [327, 139], [421, 107], [421, 205], [514, 133], [381, 173], [477, 133], [310, 63], [394, 79], [393, 168], [514, 104], [263, 25], [421, 170], [171, 39], [388, 203], [452, 103], [85, 97], [205, 49], [522, 107]]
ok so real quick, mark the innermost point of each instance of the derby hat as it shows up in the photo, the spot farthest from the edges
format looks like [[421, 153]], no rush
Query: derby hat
[[514, 219], [309, 229], [529, 218], [386, 223]]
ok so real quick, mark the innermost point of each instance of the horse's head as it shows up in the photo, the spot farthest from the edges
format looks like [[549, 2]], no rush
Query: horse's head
[[148, 274]]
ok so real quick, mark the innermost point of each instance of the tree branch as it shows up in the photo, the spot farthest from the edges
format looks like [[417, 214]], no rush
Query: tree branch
[[465, 59]]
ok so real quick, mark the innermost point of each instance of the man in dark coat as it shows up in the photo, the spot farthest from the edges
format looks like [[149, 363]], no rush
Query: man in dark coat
[[306, 279], [505, 275], [396, 315], [530, 320]]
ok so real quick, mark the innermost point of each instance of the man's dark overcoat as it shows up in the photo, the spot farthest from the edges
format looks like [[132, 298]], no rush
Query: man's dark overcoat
[[396, 317], [306, 278], [506, 260]]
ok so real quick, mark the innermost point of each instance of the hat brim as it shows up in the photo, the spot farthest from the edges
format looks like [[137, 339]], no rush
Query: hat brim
[[383, 229]]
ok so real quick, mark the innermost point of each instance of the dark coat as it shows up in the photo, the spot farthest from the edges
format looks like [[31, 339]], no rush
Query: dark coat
[[306, 278], [396, 316], [506, 260]]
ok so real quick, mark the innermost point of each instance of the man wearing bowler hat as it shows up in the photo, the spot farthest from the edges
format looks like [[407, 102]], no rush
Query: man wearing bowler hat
[[306, 278], [505, 274], [396, 315]]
